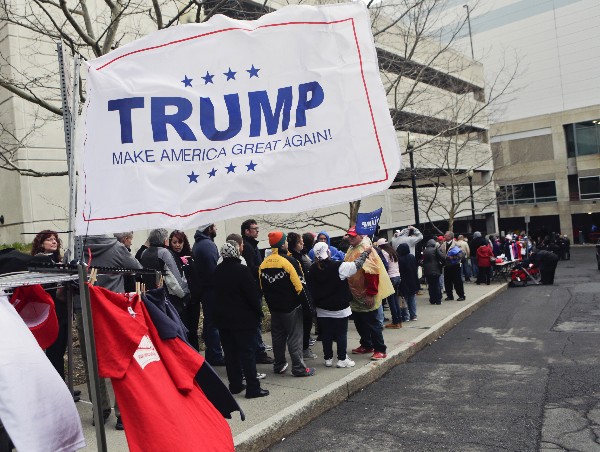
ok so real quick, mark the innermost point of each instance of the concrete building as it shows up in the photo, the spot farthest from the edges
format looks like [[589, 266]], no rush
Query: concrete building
[[436, 98], [547, 140]]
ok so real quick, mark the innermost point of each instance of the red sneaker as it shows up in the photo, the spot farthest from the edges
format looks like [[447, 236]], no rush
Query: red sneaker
[[362, 350], [378, 356]]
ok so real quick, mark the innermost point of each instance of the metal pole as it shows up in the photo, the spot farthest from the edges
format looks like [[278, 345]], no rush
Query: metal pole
[[92, 364], [469, 24], [413, 179], [472, 201]]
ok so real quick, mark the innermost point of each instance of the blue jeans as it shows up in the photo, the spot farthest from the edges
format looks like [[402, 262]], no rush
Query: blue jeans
[[393, 301], [411, 303], [210, 333], [332, 328], [380, 315], [466, 269], [474, 266]]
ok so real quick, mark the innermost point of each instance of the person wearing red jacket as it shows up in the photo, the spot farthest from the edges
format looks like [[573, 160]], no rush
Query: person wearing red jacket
[[484, 255]]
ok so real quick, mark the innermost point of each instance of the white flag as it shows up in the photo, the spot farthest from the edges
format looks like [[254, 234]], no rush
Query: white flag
[[205, 122]]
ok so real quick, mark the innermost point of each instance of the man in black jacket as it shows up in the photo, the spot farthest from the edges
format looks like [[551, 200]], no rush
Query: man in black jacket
[[238, 313], [251, 254], [478, 240]]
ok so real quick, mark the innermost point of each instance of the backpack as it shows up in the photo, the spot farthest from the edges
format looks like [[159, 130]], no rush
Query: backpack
[[454, 255]]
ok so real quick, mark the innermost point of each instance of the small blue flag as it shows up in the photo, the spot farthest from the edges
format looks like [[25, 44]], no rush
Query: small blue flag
[[366, 223]]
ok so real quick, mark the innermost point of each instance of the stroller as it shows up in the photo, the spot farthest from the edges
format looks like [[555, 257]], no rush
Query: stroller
[[522, 273]]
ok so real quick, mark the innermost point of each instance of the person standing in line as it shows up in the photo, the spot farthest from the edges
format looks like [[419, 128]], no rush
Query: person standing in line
[[452, 278], [295, 248], [409, 279], [238, 312], [286, 298], [369, 286], [485, 254], [251, 254], [478, 240], [179, 246], [433, 264], [465, 261], [391, 257], [206, 255], [336, 254], [328, 282]]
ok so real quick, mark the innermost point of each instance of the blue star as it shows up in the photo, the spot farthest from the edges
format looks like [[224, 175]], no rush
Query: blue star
[[193, 177], [231, 168], [212, 173], [251, 166], [230, 74], [187, 82], [253, 71], [208, 78]]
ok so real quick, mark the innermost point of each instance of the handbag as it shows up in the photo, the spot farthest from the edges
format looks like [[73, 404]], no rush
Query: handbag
[[402, 302]]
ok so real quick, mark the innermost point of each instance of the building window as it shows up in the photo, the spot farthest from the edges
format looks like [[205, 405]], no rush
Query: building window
[[583, 138], [531, 193], [589, 187]]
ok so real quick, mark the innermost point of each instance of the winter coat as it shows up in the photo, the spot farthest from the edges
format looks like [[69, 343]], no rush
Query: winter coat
[[237, 304], [336, 254], [433, 259], [409, 277], [327, 289], [206, 256], [404, 237], [484, 253], [252, 256], [477, 241]]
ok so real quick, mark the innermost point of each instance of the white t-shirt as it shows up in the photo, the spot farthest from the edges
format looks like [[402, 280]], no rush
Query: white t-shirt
[[36, 406]]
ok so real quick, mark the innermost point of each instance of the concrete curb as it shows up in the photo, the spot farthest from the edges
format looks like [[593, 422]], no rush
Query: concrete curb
[[287, 421]]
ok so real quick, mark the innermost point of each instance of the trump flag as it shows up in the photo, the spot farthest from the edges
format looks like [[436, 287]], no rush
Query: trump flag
[[205, 122]]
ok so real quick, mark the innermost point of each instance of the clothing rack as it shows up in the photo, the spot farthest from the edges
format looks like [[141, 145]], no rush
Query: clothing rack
[[61, 274]]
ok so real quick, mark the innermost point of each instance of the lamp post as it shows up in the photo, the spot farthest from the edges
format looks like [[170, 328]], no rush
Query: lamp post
[[470, 176], [469, 24], [413, 178]]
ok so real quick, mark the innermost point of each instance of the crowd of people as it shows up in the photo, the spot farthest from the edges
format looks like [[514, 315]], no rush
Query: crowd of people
[[305, 282]]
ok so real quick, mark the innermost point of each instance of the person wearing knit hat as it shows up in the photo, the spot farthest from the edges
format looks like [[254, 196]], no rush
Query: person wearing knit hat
[[277, 239], [279, 276]]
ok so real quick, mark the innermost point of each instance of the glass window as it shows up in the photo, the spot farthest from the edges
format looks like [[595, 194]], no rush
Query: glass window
[[586, 137], [589, 187], [528, 193], [569, 136], [545, 191]]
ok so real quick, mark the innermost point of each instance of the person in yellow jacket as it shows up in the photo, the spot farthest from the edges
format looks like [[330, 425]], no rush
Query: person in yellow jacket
[[279, 276], [369, 286]]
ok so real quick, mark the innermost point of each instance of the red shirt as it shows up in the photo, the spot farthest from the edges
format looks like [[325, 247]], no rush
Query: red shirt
[[162, 406]]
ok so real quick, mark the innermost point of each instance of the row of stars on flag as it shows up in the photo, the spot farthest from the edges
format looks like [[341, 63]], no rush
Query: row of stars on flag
[[213, 172], [208, 78]]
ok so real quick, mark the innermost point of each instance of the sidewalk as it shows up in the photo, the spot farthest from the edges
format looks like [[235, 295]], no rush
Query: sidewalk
[[294, 402]]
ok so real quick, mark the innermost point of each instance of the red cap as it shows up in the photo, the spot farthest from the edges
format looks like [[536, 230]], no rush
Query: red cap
[[440, 238], [352, 232], [36, 308]]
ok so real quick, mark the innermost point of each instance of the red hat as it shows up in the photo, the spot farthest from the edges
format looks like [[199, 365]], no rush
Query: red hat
[[440, 238], [36, 308], [352, 232]]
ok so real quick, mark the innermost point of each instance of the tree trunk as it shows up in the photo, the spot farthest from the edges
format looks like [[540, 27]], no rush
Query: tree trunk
[[354, 206]]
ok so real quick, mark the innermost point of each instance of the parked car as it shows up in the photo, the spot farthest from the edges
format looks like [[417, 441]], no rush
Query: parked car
[[598, 254]]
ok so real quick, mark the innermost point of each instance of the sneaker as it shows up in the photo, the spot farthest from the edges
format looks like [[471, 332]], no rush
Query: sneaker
[[377, 356], [308, 354], [260, 376], [413, 319], [264, 359], [119, 424], [268, 348], [362, 350], [329, 362], [308, 372], [312, 341], [460, 299], [345, 363], [394, 326], [281, 370]]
